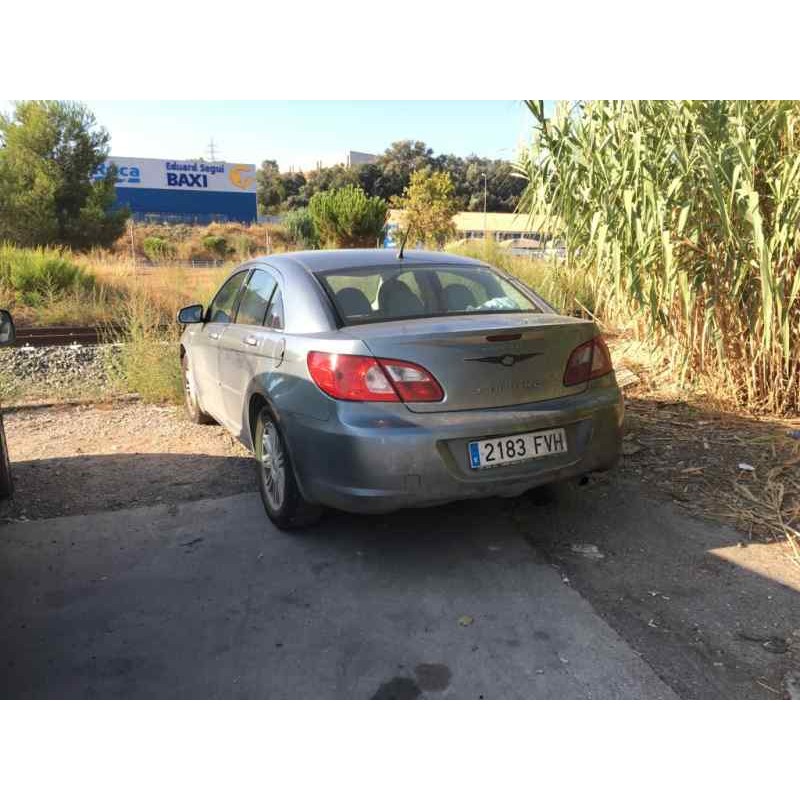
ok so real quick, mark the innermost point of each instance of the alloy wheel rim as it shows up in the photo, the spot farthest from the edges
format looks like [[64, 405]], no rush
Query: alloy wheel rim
[[273, 466]]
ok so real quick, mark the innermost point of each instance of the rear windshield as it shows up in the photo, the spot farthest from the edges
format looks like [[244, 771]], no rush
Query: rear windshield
[[382, 294]]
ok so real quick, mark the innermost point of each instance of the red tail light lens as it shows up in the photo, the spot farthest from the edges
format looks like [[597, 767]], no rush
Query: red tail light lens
[[412, 382], [363, 378], [588, 361]]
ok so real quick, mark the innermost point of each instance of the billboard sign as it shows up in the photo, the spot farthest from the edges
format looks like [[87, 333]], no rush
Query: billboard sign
[[197, 176]]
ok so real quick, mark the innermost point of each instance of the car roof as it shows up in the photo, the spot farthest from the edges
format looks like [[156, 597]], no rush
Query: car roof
[[316, 261]]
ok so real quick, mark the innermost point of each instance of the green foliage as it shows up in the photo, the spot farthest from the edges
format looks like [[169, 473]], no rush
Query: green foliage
[[428, 207], [41, 274], [348, 217], [299, 225], [49, 151], [243, 246], [390, 176], [398, 163], [159, 249], [216, 245], [689, 214]]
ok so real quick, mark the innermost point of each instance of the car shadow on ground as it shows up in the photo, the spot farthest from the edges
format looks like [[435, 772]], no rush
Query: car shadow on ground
[[706, 608], [86, 484]]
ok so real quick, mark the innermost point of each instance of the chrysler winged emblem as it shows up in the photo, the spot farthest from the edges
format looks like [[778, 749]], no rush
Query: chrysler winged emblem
[[507, 360]]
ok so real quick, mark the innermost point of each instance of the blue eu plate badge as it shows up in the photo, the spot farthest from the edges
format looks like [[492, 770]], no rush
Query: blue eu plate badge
[[474, 455]]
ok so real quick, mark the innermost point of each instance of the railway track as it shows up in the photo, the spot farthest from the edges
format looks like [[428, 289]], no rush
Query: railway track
[[63, 335]]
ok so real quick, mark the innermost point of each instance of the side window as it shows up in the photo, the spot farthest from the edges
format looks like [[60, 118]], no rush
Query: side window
[[255, 299], [222, 306], [275, 317]]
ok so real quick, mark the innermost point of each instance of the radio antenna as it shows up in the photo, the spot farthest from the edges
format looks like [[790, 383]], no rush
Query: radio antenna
[[403, 243]]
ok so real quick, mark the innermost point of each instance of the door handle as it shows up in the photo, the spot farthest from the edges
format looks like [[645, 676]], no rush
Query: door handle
[[213, 335], [250, 340]]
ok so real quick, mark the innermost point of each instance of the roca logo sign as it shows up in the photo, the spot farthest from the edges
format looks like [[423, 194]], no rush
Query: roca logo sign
[[125, 174]]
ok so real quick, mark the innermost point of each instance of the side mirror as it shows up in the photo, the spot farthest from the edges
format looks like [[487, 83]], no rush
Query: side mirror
[[190, 315], [7, 332]]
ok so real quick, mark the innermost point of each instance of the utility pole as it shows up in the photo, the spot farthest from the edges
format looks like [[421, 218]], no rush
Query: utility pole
[[485, 231], [133, 243], [211, 150]]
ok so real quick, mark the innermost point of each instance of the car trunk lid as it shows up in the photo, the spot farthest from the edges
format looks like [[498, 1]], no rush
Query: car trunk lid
[[485, 362]]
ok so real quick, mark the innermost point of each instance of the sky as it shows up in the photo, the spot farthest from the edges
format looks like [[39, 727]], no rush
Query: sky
[[300, 133]]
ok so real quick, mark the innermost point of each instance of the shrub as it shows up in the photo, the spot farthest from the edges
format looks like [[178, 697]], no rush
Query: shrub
[[158, 249], [301, 229], [428, 204], [348, 217], [149, 361], [216, 245], [43, 272], [243, 246]]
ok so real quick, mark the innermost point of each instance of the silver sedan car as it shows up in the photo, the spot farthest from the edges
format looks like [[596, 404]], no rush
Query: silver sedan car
[[368, 382]]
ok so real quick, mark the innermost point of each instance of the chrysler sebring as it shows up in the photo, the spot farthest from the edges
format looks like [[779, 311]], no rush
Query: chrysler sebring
[[368, 382]]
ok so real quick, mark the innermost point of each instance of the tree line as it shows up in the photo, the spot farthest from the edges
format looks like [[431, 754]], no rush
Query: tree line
[[50, 151], [390, 176]]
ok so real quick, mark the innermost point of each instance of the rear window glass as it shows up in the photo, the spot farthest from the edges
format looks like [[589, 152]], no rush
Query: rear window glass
[[381, 294]]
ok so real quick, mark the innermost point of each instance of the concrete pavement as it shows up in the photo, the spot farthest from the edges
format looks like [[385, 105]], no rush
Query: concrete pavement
[[207, 599]]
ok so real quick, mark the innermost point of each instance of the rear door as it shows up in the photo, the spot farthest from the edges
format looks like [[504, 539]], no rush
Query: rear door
[[253, 345], [205, 344]]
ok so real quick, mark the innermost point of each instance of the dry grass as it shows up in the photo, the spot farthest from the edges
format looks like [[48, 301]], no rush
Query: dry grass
[[150, 298], [690, 445], [187, 241], [169, 288]]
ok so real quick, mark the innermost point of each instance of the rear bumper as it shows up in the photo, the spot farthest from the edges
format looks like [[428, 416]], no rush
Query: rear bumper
[[373, 458]]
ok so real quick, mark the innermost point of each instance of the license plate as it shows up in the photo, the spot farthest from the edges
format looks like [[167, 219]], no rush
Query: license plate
[[513, 449]]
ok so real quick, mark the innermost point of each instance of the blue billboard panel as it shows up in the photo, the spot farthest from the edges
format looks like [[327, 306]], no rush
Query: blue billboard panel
[[190, 207], [191, 191]]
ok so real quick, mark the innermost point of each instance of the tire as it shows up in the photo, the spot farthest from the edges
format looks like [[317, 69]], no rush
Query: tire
[[277, 483], [190, 400], [6, 486]]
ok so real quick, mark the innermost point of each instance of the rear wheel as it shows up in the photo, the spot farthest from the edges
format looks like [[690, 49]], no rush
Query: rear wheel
[[6, 486], [280, 494], [193, 410]]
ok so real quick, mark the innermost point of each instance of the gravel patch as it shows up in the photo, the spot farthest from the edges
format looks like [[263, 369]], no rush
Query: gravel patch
[[59, 371]]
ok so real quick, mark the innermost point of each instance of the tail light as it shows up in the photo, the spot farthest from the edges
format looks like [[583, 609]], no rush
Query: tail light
[[363, 378], [588, 361]]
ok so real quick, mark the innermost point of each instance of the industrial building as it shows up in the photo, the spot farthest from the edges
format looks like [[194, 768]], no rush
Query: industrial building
[[518, 230], [354, 157], [189, 191]]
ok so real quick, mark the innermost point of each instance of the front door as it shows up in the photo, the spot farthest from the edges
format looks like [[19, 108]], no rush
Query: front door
[[205, 345], [251, 346]]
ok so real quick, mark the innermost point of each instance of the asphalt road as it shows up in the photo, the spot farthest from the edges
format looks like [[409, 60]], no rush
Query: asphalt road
[[207, 599]]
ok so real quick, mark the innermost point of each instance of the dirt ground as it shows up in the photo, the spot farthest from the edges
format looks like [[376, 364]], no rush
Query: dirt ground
[[712, 606], [82, 459]]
